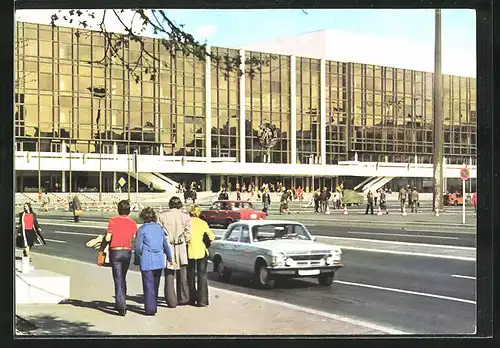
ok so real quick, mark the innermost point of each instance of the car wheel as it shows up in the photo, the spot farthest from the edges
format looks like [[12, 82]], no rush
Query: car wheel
[[223, 272], [455, 203], [262, 276], [326, 279]]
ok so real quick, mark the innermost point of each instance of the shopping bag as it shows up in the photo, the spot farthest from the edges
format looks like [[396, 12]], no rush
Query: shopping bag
[[103, 254], [78, 212]]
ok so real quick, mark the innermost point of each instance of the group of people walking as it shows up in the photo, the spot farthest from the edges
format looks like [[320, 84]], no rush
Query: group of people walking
[[172, 241]]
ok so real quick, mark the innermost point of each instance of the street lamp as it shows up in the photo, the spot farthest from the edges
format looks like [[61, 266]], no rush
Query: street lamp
[[99, 93], [136, 161]]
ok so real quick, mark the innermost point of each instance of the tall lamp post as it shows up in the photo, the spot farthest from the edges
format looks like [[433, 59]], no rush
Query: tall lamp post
[[136, 165], [438, 119], [99, 93]]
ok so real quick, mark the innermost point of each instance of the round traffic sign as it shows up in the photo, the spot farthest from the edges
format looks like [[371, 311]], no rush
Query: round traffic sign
[[464, 174]]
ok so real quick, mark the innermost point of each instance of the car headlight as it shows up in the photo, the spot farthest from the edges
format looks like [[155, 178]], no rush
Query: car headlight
[[330, 260], [278, 260], [289, 262]]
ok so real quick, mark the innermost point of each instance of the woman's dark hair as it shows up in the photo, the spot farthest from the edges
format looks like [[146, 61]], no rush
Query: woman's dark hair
[[124, 207], [148, 215], [29, 207], [175, 203]]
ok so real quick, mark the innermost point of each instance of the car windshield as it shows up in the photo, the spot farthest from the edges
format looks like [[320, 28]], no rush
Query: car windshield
[[279, 231], [242, 205]]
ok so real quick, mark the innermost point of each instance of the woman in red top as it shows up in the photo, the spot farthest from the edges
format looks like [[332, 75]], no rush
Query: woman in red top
[[28, 225], [121, 231]]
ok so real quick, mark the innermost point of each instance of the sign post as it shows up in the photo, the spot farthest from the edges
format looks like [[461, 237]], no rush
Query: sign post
[[464, 175]]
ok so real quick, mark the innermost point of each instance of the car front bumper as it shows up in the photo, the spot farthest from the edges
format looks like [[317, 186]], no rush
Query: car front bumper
[[303, 271]]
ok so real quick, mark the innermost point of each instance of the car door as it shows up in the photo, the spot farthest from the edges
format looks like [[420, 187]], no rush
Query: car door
[[214, 212], [228, 246], [243, 251]]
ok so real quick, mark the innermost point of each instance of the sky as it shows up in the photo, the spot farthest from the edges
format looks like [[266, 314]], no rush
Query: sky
[[238, 28]]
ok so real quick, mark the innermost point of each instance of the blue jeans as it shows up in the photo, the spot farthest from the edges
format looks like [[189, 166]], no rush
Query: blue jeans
[[120, 262], [150, 286]]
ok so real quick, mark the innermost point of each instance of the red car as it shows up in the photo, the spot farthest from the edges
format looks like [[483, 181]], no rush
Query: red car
[[225, 213]]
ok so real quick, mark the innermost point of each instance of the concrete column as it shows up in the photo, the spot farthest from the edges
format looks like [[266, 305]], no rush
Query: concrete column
[[208, 183], [63, 173], [307, 184], [293, 109], [115, 152], [322, 108], [242, 108], [208, 107], [21, 181]]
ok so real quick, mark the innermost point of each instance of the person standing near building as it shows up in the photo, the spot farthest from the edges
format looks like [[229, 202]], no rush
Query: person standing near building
[[284, 202], [266, 201], [151, 246], [121, 231], [316, 197], [409, 193], [382, 202], [369, 202], [28, 227], [414, 200], [402, 197], [238, 194], [77, 208], [474, 201], [178, 227], [201, 237], [376, 196]]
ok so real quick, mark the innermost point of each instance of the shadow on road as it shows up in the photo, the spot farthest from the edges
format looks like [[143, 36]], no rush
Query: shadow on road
[[245, 281], [53, 326]]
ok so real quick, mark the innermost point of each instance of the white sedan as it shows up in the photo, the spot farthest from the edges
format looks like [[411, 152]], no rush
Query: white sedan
[[270, 249]]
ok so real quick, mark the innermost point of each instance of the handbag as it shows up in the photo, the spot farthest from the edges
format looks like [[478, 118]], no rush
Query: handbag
[[78, 212], [20, 240], [206, 240], [103, 254]]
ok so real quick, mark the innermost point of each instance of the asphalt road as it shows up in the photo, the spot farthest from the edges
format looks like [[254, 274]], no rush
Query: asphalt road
[[403, 292], [321, 226]]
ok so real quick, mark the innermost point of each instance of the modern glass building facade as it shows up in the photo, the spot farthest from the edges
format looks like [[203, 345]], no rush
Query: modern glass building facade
[[320, 110]]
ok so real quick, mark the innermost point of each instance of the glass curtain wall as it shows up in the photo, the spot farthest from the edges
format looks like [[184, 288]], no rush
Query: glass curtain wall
[[308, 118], [268, 106], [336, 112], [225, 107]]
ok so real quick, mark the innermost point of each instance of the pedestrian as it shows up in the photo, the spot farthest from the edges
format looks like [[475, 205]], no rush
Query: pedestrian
[[28, 227], [335, 199], [284, 203], [409, 193], [77, 208], [369, 204], [178, 227], [186, 195], [414, 200], [121, 231], [474, 201], [402, 197], [266, 201], [238, 194], [383, 206], [194, 196], [316, 197], [45, 201], [376, 196], [201, 237], [151, 246]]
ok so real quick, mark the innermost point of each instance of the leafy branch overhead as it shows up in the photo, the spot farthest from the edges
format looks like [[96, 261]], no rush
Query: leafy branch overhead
[[172, 37]]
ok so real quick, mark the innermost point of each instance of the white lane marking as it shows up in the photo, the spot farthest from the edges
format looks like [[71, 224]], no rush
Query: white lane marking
[[77, 234], [402, 235], [348, 320], [56, 241], [409, 253], [399, 243], [462, 276], [407, 292]]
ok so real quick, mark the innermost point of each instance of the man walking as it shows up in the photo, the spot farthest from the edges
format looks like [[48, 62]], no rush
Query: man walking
[[414, 200], [177, 224], [402, 197], [266, 201], [369, 205]]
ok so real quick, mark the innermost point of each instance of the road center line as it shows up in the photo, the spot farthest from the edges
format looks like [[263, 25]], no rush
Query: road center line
[[407, 292], [399, 243], [462, 276], [56, 241], [409, 253], [402, 235]]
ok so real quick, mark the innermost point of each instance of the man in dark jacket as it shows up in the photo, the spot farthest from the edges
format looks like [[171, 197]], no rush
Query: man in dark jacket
[[414, 200], [402, 197], [369, 205], [266, 201]]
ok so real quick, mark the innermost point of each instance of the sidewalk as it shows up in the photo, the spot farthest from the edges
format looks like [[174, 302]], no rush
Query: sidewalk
[[90, 311]]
